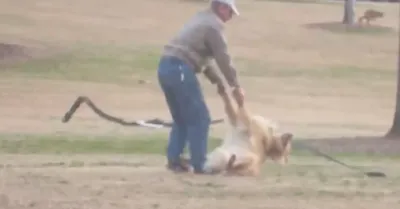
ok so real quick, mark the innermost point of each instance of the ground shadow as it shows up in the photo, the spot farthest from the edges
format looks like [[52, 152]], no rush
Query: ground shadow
[[13, 53], [366, 145], [9, 51], [196, 1], [339, 27], [301, 1]]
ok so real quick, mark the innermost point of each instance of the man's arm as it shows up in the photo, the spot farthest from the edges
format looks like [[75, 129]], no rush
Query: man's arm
[[216, 42], [212, 75]]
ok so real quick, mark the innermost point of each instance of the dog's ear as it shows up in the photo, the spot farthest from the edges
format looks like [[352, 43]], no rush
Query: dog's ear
[[286, 138]]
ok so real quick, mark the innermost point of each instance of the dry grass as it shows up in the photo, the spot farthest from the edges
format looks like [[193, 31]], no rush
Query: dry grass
[[313, 82]]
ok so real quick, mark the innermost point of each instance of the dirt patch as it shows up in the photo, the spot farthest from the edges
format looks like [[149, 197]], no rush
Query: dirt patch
[[12, 52], [15, 53]]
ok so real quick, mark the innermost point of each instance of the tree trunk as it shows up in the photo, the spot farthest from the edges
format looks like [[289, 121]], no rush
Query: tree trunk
[[348, 17], [394, 131]]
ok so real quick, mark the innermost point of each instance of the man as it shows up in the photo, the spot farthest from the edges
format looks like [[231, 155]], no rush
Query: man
[[187, 54]]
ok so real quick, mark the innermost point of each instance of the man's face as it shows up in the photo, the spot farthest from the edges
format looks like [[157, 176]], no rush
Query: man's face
[[225, 12]]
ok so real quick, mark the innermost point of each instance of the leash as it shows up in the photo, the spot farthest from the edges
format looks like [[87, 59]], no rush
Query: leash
[[321, 154]]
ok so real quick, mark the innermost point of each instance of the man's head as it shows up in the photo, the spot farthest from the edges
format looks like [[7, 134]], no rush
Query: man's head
[[225, 9]]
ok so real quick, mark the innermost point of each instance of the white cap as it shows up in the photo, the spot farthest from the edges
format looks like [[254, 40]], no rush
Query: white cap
[[231, 4]]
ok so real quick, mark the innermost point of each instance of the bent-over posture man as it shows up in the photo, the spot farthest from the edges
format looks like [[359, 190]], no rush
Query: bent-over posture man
[[187, 54]]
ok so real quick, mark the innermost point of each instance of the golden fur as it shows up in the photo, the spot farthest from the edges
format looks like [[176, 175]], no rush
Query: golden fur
[[250, 141]]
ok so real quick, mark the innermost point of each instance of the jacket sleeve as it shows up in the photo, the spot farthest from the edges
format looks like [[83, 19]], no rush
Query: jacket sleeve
[[216, 42], [212, 75]]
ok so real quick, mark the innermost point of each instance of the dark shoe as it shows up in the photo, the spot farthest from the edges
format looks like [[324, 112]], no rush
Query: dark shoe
[[177, 168], [203, 172], [182, 166]]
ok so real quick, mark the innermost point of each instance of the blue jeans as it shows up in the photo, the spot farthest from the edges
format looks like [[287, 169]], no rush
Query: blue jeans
[[191, 118]]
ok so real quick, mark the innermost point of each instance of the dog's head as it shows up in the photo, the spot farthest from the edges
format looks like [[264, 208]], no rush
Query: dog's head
[[276, 146], [279, 148]]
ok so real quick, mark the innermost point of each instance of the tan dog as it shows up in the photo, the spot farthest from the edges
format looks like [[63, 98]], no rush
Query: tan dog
[[250, 140]]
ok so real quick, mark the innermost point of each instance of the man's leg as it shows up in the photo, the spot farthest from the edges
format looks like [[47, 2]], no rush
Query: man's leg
[[198, 138], [196, 116], [177, 136]]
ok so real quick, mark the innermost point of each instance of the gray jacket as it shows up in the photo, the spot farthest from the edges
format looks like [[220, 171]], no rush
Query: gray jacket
[[201, 40]]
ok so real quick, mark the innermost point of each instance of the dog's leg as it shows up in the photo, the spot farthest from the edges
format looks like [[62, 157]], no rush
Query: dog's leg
[[231, 161], [229, 109], [228, 106], [244, 117], [244, 166]]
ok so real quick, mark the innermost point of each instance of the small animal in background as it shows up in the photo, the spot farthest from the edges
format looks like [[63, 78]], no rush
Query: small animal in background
[[370, 15]]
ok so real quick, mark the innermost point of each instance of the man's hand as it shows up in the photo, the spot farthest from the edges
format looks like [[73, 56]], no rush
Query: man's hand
[[238, 94], [221, 89]]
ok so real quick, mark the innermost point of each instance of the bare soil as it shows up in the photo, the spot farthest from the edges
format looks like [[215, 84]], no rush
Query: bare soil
[[304, 184]]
